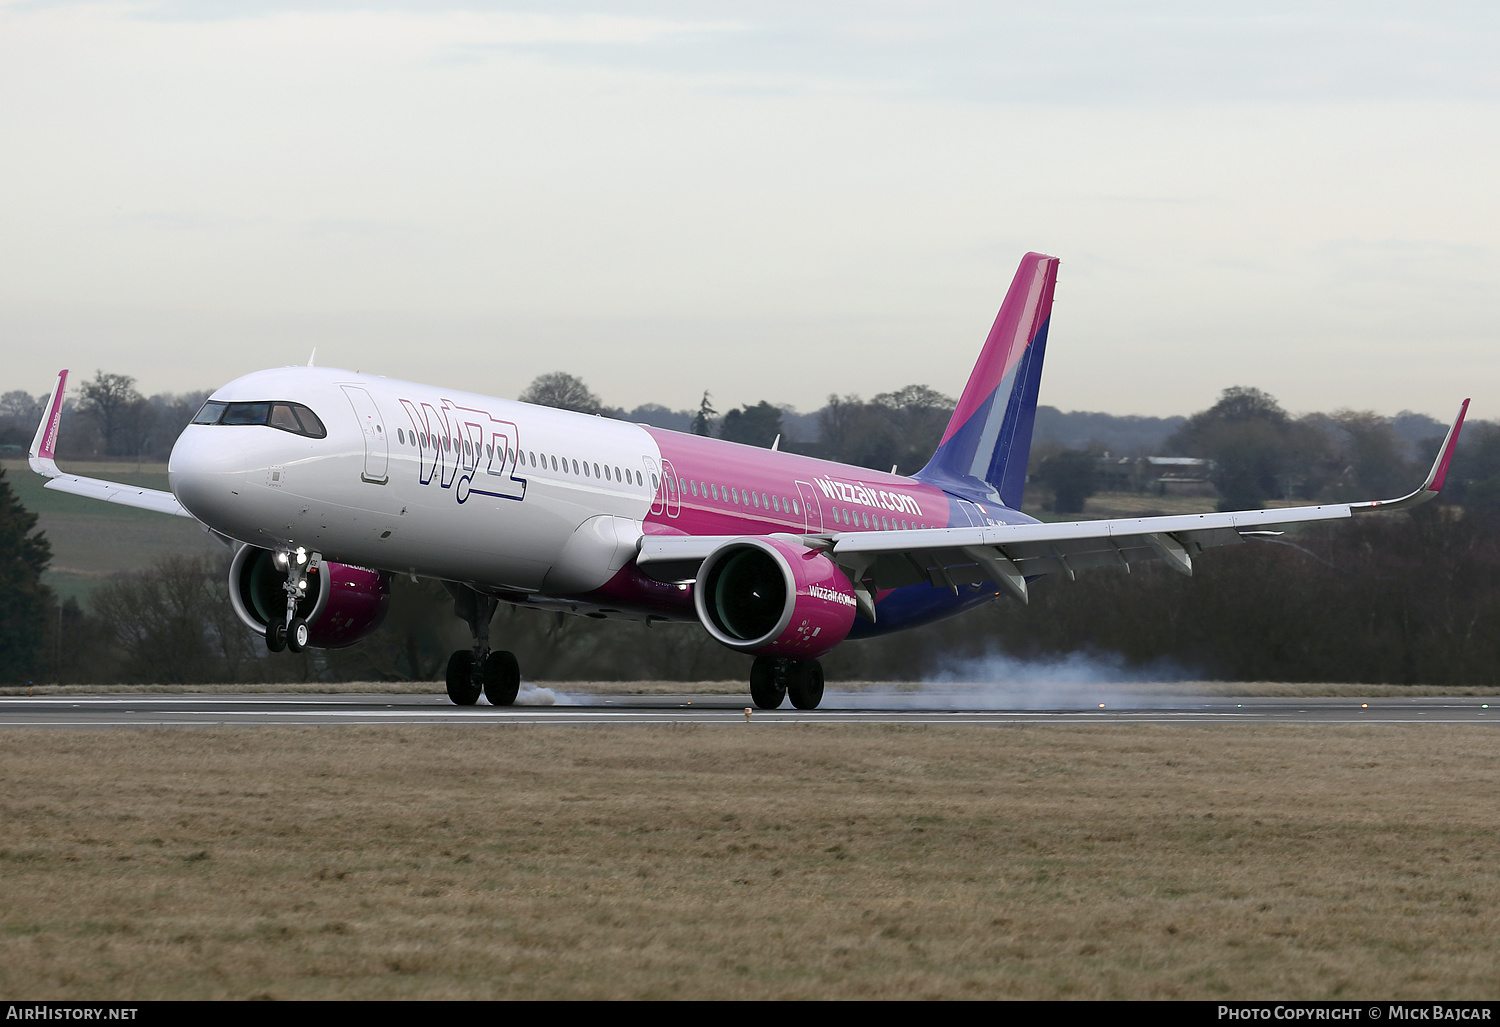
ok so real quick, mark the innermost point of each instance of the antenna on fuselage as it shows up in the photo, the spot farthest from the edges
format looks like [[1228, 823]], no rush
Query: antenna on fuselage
[[776, 445], [312, 356]]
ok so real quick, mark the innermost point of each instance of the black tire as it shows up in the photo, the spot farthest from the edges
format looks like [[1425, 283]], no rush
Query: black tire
[[502, 678], [462, 688], [297, 635], [805, 684], [765, 690], [276, 636]]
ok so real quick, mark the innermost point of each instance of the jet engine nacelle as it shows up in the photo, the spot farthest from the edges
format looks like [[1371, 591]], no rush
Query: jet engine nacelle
[[774, 598], [342, 605]]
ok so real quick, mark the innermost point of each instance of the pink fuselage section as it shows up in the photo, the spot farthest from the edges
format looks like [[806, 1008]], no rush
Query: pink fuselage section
[[712, 487]]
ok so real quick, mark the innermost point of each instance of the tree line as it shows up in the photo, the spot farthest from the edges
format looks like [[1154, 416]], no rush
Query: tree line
[[108, 418], [1392, 598]]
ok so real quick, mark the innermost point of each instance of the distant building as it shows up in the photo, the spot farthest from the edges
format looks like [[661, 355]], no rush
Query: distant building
[[1158, 475]]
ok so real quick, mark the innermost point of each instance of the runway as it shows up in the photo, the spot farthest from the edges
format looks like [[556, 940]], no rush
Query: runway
[[930, 708]]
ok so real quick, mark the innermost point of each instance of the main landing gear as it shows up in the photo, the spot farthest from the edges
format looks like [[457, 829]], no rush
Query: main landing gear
[[774, 678], [472, 671], [291, 631]]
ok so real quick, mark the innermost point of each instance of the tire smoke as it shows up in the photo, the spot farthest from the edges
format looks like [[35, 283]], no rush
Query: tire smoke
[[996, 681]]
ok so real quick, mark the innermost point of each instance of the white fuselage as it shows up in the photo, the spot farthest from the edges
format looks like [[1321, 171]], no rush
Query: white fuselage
[[424, 480]]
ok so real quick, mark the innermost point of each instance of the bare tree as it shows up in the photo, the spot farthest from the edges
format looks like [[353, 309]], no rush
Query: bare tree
[[21, 407], [174, 624], [116, 410], [19, 414], [563, 391]]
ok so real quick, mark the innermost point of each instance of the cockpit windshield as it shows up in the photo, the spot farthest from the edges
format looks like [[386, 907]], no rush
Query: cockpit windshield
[[292, 417]]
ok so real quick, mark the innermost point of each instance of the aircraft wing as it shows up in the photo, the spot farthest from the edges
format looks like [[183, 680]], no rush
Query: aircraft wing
[[42, 458], [1009, 554]]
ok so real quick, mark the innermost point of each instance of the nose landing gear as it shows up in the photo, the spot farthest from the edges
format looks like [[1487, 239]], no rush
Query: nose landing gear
[[292, 632], [495, 673]]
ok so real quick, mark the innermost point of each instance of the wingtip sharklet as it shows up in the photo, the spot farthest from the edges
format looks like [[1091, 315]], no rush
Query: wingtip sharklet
[[1439, 472], [43, 454], [1435, 477]]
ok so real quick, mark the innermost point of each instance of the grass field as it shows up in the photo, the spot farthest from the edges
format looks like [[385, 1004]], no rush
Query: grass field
[[92, 540], [751, 861]]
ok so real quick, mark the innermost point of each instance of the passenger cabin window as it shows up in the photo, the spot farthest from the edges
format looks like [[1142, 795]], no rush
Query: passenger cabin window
[[288, 417]]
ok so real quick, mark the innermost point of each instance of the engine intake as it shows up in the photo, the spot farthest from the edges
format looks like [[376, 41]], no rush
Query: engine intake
[[774, 598], [343, 603]]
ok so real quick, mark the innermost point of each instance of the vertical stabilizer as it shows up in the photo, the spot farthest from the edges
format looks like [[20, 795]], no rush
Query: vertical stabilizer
[[988, 441]]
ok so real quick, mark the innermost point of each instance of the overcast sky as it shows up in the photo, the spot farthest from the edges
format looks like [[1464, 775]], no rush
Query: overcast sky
[[768, 201]]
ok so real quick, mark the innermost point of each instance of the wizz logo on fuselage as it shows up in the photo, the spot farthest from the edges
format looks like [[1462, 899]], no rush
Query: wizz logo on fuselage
[[466, 449]]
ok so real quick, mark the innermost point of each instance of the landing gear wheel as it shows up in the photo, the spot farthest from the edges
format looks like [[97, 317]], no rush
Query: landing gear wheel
[[805, 684], [297, 635], [276, 636], [502, 678], [765, 689], [462, 688]]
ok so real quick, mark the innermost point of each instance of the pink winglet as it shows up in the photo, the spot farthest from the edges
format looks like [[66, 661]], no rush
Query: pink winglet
[[44, 446], [1440, 469], [54, 418], [1434, 483]]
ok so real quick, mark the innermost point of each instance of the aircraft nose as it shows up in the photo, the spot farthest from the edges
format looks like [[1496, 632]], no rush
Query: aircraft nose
[[205, 475]]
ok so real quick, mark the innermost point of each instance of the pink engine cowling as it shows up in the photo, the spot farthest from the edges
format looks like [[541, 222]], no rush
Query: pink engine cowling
[[343, 603], [774, 598]]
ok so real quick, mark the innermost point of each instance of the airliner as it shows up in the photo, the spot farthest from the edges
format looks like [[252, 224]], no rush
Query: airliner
[[328, 483]]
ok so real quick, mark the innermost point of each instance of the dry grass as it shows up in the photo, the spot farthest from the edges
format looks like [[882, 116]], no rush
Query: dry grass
[[750, 861]]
